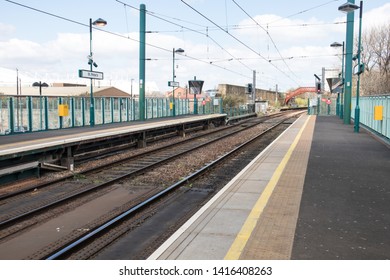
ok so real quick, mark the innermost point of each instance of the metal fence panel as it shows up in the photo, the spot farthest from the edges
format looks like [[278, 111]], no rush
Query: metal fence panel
[[367, 105], [36, 113]]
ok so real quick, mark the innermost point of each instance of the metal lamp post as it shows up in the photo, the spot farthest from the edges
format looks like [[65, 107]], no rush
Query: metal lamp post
[[360, 70], [179, 50], [317, 82], [40, 85], [347, 7], [340, 96], [350, 8], [99, 22]]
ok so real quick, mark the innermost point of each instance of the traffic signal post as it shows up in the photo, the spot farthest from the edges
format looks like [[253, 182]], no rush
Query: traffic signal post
[[318, 89]]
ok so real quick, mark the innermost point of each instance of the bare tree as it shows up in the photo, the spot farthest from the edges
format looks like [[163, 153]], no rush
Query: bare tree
[[376, 57]]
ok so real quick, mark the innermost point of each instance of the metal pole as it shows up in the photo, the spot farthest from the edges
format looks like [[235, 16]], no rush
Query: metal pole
[[131, 90], [17, 98], [323, 80], [276, 94], [173, 86], [40, 103], [195, 101], [92, 103], [254, 87], [357, 108], [142, 60], [348, 67], [318, 99], [341, 110]]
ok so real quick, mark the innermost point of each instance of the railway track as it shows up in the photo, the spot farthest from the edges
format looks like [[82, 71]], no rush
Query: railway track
[[217, 133], [89, 244], [101, 180]]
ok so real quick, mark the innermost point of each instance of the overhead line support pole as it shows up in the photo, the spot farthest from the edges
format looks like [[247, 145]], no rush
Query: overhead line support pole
[[142, 60], [348, 66]]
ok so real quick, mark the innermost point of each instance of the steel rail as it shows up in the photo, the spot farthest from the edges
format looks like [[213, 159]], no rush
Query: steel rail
[[142, 169], [86, 238], [119, 161]]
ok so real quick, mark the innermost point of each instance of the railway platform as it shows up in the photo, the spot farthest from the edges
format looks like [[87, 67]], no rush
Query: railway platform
[[22, 155], [318, 192]]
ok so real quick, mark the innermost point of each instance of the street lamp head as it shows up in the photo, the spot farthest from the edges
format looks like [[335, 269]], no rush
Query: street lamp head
[[100, 22], [348, 7], [179, 50], [336, 45], [39, 84]]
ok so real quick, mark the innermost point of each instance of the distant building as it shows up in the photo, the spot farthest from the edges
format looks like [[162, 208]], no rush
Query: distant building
[[261, 94], [67, 85], [183, 93], [62, 89], [212, 93]]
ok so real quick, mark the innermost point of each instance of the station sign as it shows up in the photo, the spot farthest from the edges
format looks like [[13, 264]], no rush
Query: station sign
[[90, 74], [173, 84]]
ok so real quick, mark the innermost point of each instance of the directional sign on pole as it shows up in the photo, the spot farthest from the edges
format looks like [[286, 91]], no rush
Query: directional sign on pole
[[91, 74], [173, 84]]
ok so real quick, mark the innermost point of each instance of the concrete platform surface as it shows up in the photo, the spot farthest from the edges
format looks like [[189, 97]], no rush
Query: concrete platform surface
[[319, 191], [11, 144], [345, 209], [222, 227]]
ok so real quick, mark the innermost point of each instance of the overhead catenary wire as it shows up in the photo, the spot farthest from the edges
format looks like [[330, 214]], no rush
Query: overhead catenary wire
[[121, 36], [249, 26], [190, 29], [304, 11], [268, 34], [238, 40], [127, 22]]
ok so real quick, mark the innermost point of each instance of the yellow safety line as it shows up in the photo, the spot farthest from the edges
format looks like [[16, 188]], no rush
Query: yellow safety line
[[243, 236]]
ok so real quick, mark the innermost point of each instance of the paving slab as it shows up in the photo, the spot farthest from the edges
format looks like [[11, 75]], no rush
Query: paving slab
[[345, 209], [212, 231]]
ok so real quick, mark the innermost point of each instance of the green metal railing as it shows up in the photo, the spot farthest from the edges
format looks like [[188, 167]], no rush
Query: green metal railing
[[367, 106], [327, 106], [237, 111], [36, 113]]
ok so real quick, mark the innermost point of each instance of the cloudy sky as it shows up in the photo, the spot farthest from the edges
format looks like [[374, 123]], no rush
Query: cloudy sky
[[284, 41]]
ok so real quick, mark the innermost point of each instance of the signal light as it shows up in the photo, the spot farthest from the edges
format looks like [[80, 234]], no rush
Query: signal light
[[318, 86], [249, 89]]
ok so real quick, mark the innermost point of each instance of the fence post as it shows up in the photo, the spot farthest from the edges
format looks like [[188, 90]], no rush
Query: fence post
[[83, 111], [73, 112], [127, 110], [30, 113], [11, 124], [59, 117], [46, 102], [112, 109]]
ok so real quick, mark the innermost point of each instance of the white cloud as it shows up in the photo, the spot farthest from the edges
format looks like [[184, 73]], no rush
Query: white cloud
[[306, 41], [375, 17], [6, 30]]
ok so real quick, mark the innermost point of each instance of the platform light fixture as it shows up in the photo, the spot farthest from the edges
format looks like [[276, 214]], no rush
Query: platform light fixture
[[340, 96], [40, 85], [100, 23], [350, 8], [179, 50]]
